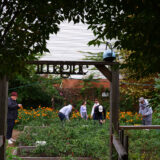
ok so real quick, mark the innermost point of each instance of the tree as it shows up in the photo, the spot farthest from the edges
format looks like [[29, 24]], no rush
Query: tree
[[156, 95], [135, 26], [24, 29], [35, 90], [25, 26]]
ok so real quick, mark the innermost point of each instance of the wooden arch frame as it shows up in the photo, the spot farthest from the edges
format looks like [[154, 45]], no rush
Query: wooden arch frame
[[111, 73]]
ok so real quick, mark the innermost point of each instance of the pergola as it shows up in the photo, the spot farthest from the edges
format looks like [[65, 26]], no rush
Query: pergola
[[108, 69]]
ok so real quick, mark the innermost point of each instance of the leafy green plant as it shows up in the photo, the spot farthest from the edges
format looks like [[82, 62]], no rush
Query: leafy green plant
[[9, 153], [77, 138], [126, 102], [35, 90], [80, 137], [155, 100], [144, 144]]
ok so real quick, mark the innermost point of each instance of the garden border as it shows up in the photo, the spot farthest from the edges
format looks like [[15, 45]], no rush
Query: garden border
[[29, 148]]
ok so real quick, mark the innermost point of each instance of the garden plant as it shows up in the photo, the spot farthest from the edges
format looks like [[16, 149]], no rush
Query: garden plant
[[81, 138]]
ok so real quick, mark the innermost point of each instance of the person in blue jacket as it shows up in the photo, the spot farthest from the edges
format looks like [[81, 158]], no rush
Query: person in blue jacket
[[146, 111], [12, 115]]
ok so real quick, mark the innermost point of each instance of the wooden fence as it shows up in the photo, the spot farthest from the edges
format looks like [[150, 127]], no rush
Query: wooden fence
[[120, 141]]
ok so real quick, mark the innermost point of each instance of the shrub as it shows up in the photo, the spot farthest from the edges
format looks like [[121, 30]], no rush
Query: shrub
[[35, 90], [75, 138]]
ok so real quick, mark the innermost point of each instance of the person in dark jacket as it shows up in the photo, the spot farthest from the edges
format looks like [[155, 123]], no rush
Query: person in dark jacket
[[12, 115], [100, 113]]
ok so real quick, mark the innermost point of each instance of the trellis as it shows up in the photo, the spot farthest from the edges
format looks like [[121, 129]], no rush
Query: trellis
[[65, 69]]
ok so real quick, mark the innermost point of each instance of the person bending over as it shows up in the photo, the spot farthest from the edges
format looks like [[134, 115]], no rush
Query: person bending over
[[65, 111]]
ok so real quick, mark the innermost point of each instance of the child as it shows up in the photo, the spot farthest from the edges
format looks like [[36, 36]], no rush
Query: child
[[83, 110]]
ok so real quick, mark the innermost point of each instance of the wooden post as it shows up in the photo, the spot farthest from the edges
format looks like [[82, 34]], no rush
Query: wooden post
[[3, 114], [105, 71], [126, 144], [114, 107], [120, 148], [121, 136]]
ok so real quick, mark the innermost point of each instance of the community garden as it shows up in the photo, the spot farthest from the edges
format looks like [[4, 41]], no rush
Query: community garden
[[42, 134], [48, 137], [25, 29]]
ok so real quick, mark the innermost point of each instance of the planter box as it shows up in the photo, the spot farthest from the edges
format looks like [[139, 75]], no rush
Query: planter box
[[51, 158], [28, 149]]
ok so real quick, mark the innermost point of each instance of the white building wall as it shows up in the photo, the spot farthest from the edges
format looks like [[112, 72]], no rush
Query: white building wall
[[67, 44], [71, 39]]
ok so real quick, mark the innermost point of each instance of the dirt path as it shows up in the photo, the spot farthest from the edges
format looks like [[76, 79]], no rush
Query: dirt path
[[15, 135]]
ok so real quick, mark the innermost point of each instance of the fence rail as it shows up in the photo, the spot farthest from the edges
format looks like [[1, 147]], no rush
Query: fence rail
[[139, 127]]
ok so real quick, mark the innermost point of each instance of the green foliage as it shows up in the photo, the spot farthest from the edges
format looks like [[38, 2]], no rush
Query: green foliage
[[9, 153], [127, 102], [155, 100], [126, 22], [35, 90], [75, 138], [41, 116], [25, 28], [131, 88], [80, 138], [144, 144], [88, 89], [157, 83], [94, 56], [87, 84]]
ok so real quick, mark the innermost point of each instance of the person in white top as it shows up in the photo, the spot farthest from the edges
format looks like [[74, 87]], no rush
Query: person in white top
[[96, 103], [83, 110], [65, 112]]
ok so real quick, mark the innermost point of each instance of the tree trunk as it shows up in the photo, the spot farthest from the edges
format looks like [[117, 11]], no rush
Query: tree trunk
[[3, 114]]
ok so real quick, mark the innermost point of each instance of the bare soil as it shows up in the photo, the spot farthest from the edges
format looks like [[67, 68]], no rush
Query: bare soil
[[15, 135]]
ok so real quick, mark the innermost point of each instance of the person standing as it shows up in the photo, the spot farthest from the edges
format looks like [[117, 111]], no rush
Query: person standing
[[12, 115], [100, 113], [146, 111], [96, 103], [83, 110], [65, 112]]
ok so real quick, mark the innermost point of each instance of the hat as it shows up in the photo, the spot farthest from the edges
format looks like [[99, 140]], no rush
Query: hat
[[100, 109], [14, 94], [141, 99]]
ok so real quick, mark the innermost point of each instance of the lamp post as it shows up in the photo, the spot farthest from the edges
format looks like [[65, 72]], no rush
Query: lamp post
[[109, 54]]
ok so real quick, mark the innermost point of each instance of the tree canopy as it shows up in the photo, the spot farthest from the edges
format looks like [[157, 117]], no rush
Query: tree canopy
[[135, 26], [25, 27]]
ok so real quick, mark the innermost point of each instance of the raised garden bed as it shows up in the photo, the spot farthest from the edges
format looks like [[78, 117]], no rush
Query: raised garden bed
[[52, 158], [76, 140], [28, 150]]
